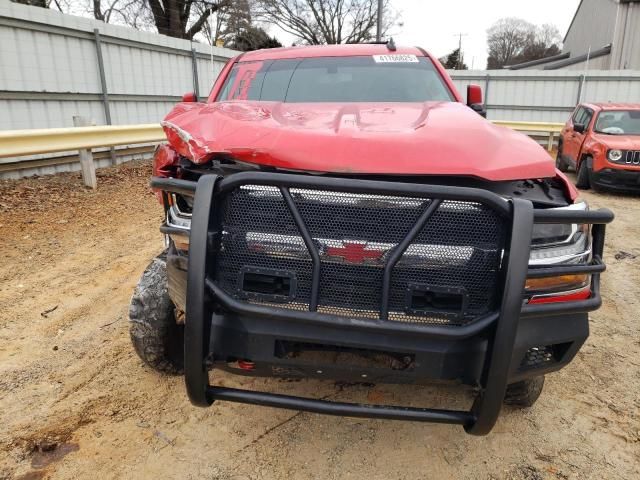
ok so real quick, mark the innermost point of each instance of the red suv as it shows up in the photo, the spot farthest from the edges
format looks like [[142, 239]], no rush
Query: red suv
[[602, 142]]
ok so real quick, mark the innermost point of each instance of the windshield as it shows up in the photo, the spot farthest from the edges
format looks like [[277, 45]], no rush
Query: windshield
[[378, 78], [619, 122]]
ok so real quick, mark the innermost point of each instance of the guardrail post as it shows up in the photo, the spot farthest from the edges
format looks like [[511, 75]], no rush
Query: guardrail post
[[86, 157]]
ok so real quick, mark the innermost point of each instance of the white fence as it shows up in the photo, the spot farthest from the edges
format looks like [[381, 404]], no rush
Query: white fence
[[547, 96], [54, 67], [50, 70]]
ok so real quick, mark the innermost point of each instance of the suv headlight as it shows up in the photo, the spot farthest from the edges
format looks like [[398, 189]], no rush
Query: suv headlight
[[557, 244], [615, 155]]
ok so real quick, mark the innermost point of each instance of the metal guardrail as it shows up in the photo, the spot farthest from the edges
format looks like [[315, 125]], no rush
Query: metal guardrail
[[530, 128], [17, 143]]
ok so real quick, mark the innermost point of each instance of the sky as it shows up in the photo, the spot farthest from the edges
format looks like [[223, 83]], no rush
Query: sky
[[435, 24]]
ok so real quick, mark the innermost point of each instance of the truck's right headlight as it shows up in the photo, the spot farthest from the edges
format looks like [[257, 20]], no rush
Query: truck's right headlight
[[179, 218], [557, 244]]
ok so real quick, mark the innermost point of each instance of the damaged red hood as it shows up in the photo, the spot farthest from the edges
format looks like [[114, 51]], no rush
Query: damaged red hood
[[435, 138]]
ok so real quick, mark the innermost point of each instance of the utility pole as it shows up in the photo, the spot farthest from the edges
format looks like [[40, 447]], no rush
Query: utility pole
[[460, 35], [379, 29]]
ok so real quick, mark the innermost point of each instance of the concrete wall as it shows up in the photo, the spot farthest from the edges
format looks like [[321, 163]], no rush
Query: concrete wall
[[547, 96]]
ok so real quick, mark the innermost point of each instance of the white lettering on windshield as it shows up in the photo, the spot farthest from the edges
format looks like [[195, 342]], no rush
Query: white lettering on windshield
[[395, 58]]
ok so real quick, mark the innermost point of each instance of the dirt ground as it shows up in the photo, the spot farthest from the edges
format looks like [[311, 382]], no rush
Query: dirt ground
[[76, 402]]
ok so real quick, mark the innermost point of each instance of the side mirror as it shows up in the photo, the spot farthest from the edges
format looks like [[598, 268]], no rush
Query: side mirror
[[578, 127], [189, 97], [474, 94], [474, 100]]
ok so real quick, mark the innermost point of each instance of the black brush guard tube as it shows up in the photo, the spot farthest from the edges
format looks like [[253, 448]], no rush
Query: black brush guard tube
[[502, 326]]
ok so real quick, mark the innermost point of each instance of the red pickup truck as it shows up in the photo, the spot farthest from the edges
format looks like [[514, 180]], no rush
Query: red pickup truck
[[602, 142], [340, 212]]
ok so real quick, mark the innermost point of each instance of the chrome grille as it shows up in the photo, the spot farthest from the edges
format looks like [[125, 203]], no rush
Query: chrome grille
[[632, 157]]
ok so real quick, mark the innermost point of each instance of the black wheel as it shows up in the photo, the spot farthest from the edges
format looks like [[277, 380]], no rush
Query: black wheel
[[524, 393], [157, 338], [561, 163], [582, 180]]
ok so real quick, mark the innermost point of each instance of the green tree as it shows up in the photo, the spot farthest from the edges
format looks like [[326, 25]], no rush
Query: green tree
[[253, 38], [453, 61]]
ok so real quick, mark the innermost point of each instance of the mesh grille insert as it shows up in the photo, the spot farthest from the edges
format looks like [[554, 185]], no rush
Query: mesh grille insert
[[459, 250]]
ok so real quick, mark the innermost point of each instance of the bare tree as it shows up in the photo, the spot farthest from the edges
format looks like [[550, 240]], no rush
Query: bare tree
[[175, 17], [506, 38], [513, 40], [43, 3], [326, 21], [543, 42], [230, 22], [129, 12]]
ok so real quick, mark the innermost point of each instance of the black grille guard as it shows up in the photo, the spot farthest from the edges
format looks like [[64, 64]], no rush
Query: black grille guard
[[203, 292]]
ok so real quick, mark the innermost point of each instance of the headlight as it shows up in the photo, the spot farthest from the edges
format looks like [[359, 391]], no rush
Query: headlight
[[179, 217], [556, 244], [615, 155]]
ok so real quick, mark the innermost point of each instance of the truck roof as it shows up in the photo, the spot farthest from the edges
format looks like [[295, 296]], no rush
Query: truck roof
[[344, 50], [612, 106]]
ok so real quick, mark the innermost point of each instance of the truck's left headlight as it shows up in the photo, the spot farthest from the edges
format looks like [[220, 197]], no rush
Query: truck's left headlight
[[558, 244]]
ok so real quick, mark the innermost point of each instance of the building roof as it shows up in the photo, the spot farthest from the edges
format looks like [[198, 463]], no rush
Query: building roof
[[540, 61], [344, 50], [601, 52]]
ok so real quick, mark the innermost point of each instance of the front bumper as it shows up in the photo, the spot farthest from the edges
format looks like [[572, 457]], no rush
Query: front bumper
[[616, 179], [490, 352]]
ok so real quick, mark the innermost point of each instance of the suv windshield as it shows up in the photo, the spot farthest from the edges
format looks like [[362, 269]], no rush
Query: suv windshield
[[379, 78], [619, 122]]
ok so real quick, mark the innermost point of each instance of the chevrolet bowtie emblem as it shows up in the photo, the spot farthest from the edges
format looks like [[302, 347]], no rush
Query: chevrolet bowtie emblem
[[354, 252]]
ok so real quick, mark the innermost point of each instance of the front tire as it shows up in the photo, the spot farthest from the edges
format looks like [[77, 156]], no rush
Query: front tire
[[157, 338], [561, 163], [524, 393], [582, 180]]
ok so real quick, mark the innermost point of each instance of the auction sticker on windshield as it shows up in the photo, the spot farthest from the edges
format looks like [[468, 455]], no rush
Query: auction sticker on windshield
[[395, 59]]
